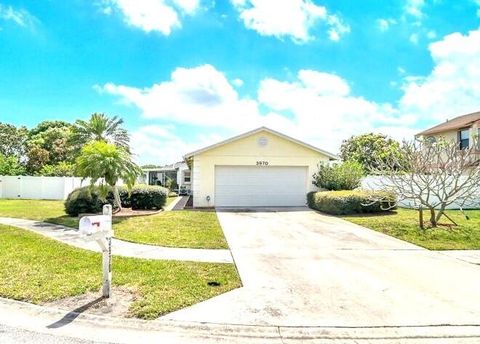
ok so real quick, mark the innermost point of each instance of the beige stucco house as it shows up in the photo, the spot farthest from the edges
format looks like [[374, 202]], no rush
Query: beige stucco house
[[462, 129], [259, 168]]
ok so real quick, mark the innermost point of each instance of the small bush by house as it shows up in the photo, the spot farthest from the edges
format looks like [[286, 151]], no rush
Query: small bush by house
[[88, 200], [338, 176], [148, 197], [350, 202]]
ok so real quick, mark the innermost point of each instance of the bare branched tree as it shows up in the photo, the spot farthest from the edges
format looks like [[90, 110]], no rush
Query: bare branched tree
[[432, 175]]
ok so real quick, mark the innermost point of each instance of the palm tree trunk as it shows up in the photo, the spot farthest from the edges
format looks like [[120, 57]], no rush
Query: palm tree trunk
[[117, 200]]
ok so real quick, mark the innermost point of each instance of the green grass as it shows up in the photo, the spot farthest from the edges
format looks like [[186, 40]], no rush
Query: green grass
[[38, 270], [403, 224], [41, 210], [185, 228]]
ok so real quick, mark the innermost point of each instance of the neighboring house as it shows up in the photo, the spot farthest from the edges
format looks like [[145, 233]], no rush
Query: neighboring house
[[178, 172], [462, 129], [259, 168]]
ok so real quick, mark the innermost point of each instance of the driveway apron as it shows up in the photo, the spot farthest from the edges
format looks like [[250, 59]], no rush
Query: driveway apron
[[302, 268]]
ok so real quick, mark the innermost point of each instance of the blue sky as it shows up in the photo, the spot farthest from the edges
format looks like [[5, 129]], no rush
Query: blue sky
[[186, 73]]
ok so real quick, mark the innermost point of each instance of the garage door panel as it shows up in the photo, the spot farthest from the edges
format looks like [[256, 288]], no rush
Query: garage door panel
[[249, 186]]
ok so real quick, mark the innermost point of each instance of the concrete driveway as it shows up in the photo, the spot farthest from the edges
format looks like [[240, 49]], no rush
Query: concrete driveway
[[301, 268]]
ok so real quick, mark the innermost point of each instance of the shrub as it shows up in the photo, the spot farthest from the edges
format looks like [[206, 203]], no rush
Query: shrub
[[87, 199], [338, 176], [350, 202], [83, 200], [148, 197]]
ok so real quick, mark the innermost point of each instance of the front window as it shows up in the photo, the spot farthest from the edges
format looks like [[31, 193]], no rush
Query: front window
[[464, 138], [186, 176]]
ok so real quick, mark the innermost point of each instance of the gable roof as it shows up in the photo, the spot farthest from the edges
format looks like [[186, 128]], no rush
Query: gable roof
[[453, 124], [255, 131]]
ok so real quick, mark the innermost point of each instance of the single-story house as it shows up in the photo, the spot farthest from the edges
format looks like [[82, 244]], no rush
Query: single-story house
[[461, 129], [259, 168], [178, 172]]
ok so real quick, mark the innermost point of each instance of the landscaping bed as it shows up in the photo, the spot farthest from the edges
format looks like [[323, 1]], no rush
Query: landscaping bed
[[403, 224], [40, 270]]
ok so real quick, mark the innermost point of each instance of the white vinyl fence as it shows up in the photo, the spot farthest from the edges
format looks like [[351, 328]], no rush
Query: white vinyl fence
[[376, 183], [30, 187]]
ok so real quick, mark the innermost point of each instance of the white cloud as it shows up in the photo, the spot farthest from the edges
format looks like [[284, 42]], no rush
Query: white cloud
[[161, 144], [385, 23], [336, 28], [21, 17], [453, 87], [431, 34], [152, 15], [415, 8], [146, 142], [200, 96], [238, 82], [288, 18], [325, 111], [316, 106]]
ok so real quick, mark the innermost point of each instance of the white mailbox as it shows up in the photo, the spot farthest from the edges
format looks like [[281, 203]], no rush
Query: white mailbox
[[97, 224]]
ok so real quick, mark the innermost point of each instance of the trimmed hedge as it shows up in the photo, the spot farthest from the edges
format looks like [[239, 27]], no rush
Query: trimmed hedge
[[349, 202], [87, 199], [148, 197]]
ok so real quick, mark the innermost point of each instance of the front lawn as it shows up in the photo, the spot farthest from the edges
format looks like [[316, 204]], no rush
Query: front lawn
[[40, 210], [39, 270], [403, 224], [185, 228]]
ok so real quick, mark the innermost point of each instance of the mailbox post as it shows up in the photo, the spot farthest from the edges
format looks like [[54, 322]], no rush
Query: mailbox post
[[107, 255], [99, 229]]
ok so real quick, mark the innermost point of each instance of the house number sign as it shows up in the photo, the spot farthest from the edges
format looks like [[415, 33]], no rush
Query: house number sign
[[262, 163]]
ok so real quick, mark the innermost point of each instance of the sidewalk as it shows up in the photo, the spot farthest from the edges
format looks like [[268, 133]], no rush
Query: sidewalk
[[469, 256], [75, 328], [119, 247]]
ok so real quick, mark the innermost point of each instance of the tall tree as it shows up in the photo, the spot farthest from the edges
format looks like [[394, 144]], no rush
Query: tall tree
[[37, 157], [368, 149], [12, 140], [107, 163], [102, 128], [49, 143]]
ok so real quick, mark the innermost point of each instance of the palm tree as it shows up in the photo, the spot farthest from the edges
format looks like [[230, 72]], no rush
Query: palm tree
[[102, 128], [107, 163]]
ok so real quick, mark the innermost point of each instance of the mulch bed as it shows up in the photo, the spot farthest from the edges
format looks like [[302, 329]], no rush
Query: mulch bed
[[128, 212]]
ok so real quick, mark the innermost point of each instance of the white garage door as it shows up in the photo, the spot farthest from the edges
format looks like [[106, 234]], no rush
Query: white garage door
[[256, 186]]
